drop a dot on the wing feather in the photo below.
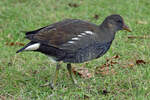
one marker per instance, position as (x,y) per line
(59,34)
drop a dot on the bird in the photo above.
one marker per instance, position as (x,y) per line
(74,41)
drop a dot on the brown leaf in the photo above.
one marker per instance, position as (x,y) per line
(73,5)
(106,69)
(82,72)
(131,64)
(96,16)
(138,62)
(138,37)
(14,44)
(113,58)
(19,44)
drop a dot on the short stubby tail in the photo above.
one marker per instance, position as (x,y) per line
(29,47)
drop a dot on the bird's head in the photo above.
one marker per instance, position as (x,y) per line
(115,22)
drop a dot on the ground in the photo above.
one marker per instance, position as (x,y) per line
(122,74)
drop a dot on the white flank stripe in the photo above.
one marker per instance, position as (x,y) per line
(33,46)
(89,32)
(79,35)
(75,38)
(71,42)
(83,34)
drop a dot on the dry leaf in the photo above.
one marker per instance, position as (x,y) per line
(83,72)
(138,37)
(73,5)
(138,62)
(14,44)
(96,16)
(19,44)
(114,57)
(106,69)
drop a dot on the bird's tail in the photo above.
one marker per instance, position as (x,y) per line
(30,46)
(22,49)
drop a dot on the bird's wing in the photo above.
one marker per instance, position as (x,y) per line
(69,34)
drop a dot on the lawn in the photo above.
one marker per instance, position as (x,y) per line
(123,73)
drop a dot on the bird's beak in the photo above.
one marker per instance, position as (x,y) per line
(125,27)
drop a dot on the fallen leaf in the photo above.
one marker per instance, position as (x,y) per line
(14,44)
(96,16)
(73,5)
(113,57)
(106,69)
(19,44)
(138,62)
(83,72)
(138,37)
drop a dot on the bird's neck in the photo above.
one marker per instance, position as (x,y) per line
(108,27)
(109,33)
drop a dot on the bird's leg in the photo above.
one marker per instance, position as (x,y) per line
(69,67)
(53,83)
(56,74)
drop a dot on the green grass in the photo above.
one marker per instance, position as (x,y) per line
(22,74)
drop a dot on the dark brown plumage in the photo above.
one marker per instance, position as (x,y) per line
(75,41)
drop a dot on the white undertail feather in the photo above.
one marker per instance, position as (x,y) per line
(89,32)
(33,46)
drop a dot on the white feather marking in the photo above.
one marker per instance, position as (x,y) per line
(79,35)
(75,38)
(71,42)
(52,59)
(33,46)
(89,32)
(83,34)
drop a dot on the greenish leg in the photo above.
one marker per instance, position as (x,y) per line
(53,83)
(56,74)
(70,73)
